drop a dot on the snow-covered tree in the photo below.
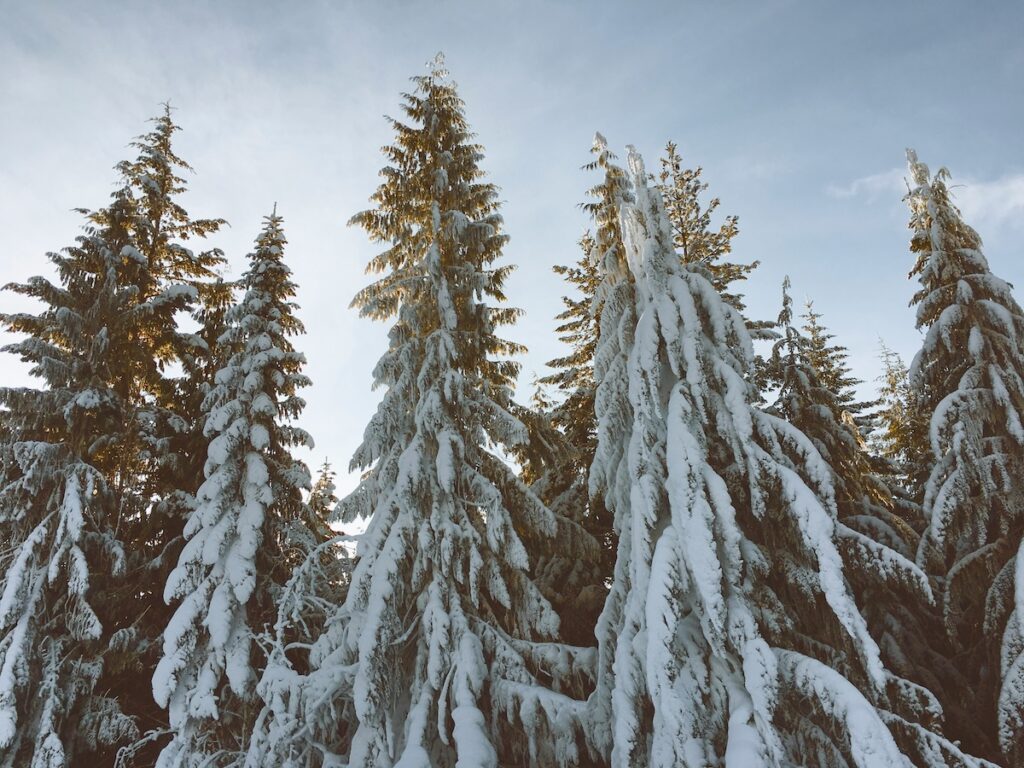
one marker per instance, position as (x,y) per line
(737,640)
(876,542)
(158,379)
(235,561)
(437,645)
(573,376)
(572,578)
(829,361)
(322,500)
(292,726)
(969,377)
(59,506)
(300,716)
(572,413)
(107,425)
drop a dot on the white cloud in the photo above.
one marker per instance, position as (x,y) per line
(986,205)
(871,187)
(990,204)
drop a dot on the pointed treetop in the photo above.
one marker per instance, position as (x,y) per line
(918,170)
(437,66)
(786,315)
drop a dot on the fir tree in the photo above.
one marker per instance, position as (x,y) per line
(829,361)
(59,509)
(902,436)
(969,377)
(877,544)
(570,578)
(292,727)
(233,563)
(696,242)
(574,373)
(120,293)
(736,638)
(437,639)
(322,499)
(694,239)
(159,379)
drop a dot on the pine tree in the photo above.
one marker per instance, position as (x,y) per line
(969,377)
(292,727)
(696,242)
(694,239)
(106,338)
(581,318)
(234,562)
(902,436)
(876,543)
(159,381)
(58,508)
(570,578)
(562,475)
(829,361)
(322,500)
(735,635)
(574,375)
(437,639)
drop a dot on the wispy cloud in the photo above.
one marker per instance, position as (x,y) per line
(870,187)
(986,204)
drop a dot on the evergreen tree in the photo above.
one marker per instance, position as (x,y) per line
(694,239)
(829,361)
(696,242)
(736,638)
(969,377)
(234,563)
(292,728)
(105,340)
(59,505)
(574,373)
(437,639)
(876,543)
(581,319)
(570,578)
(322,500)
(902,429)
(159,380)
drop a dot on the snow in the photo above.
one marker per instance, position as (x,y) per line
(871,745)
(685,565)
(251,479)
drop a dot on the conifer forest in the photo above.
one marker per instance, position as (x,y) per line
(699,538)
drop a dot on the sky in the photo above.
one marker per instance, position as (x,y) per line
(798,111)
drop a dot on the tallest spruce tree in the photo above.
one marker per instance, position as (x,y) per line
(439,629)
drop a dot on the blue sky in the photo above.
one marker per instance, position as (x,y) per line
(799,113)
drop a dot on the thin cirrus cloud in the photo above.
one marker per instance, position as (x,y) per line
(870,188)
(991,203)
